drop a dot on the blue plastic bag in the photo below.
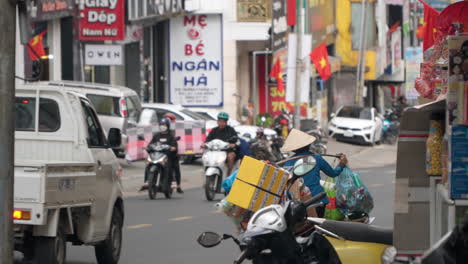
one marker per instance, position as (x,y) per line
(244,148)
(351,194)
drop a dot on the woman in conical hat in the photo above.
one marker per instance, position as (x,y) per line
(299,143)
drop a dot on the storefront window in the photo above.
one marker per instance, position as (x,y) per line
(97,74)
(370,29)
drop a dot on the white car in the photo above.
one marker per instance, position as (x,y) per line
(357,124)
(212,114)
(251,132)
(152,113)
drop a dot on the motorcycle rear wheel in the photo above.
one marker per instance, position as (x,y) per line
(210,185)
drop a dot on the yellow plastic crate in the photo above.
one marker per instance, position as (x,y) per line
(253,178)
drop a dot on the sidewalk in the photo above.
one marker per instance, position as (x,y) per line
(360,157)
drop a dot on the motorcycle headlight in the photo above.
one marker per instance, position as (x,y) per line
(368,128)
(389,254)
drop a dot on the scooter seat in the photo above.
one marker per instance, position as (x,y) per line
(359,232)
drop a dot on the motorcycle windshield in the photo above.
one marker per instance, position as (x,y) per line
(155,156)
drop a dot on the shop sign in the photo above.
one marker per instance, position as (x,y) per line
(102,20)
(50,9)
(253,10)
(103,54)
(196,60)
(142,10)
(321,21)
(280,26)
(413,59)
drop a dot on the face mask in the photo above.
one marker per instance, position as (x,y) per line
(163,128)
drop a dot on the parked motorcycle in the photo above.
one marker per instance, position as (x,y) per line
(391,127)
(214,161)
(157,172)
(272,237)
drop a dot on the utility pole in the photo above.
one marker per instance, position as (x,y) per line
(299,66)
(361,67)
(7,113)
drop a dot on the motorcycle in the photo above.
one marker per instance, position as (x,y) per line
(157,172)
(272,235)
(391,127)
(214,161)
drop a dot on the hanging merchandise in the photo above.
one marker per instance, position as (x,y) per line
(434,145)
(458,79)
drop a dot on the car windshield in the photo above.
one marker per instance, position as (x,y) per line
(206,115)
(193,115)
(355,112)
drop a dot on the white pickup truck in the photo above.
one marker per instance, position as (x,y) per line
(67,178)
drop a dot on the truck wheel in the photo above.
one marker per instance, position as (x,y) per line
(108,252)
(51,250)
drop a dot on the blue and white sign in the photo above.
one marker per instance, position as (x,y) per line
(196,60)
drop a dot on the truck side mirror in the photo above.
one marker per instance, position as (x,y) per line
(115,137)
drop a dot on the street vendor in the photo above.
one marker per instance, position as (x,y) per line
(299,143)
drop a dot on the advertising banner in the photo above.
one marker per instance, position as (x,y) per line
(40,10)
(414,57)
(102,20)
(277,102)
(280,26)
(196,61)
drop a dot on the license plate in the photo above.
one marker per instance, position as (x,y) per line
(348,134)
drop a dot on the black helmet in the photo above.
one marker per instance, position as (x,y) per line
(166,122)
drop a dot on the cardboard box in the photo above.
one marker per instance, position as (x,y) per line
(255,183)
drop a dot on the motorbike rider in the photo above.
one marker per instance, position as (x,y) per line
(402,103)
(176,163)
(165,136)
(225,133)
(299,143)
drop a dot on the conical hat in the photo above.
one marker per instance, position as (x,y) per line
(296,140)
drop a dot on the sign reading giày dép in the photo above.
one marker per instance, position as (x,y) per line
(196,67)
(103,55)
(102,20)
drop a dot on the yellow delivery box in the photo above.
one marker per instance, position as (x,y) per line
(257,185)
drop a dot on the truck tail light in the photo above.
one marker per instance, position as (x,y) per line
(123,108)
(19,214)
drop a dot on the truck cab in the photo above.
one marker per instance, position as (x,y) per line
(67,178)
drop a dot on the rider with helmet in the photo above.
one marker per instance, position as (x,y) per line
(225,133)
(176,163)
(165,136)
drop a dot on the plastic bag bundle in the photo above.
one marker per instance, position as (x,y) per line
(351,194)
(331,210)
(239,216)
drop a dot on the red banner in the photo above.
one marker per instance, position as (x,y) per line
(277,102)
(102,20)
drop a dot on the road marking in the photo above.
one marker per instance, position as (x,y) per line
(377,185)
(181,218)
(139,226)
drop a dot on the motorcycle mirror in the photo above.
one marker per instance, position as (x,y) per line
(177,138)
(304,166)
(209,239)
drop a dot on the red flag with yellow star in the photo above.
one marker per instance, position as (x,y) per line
(277,73)
(430,30)
(319,57)
(36,47)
